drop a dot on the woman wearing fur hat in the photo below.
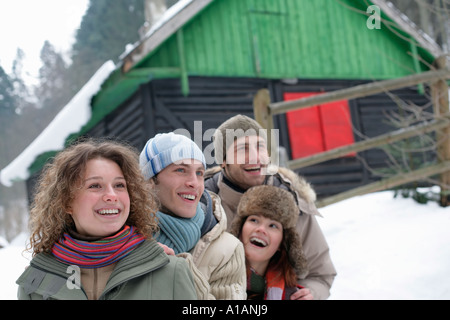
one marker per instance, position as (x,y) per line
(265,223)
(191,220)
(240,146)
(92,223)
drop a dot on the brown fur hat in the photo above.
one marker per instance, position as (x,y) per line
(234,128)
(279,205)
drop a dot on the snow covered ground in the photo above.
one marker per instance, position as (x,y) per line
(12,263)
(386,248)
(383,248)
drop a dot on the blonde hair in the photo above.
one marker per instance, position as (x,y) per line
(59,180)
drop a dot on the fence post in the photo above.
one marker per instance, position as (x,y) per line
(441,108)
(261,110)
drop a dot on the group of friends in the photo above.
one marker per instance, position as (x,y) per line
(110,222)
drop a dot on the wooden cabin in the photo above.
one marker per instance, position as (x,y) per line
(206,59)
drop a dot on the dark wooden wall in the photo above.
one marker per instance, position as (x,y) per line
(159,106)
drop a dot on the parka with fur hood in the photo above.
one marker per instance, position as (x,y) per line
(321,271)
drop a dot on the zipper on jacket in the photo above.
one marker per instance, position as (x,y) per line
(95,285)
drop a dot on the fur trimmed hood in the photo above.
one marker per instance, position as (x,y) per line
(285,179)
(298,183)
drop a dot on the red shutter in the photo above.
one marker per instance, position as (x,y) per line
(337,125)
(316,129)
(304,127)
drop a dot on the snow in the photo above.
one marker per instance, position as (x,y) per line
(13,261)
(386,248)
(168,15)
(382,248)
(69,120)
(3,242)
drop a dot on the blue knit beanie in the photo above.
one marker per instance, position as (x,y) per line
(166,148)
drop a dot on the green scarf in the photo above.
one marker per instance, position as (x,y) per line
(178,233)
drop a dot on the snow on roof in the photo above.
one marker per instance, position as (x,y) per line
(171,21)
(167,16)
(410,27)
(68,121)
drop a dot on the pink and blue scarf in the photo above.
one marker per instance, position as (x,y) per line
(99,253)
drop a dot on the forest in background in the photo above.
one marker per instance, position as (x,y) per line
(106,28)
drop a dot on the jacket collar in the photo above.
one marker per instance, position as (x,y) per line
(207,206)
(147,257)
(281,177)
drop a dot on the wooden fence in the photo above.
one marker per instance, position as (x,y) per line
(264,111)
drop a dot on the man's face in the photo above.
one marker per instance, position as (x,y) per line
(180,186)
(246,161)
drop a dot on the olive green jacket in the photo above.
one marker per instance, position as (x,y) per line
(146,273)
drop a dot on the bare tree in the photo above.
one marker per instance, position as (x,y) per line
(431,16)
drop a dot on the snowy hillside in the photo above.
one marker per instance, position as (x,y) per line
(383,248)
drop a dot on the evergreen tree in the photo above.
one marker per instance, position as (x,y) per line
(52,92)
(7,114)
(21,91)
(105,30)
(432,16)
(7,99)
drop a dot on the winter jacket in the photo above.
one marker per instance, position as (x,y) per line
(146,273)
(218,261)
(321,271)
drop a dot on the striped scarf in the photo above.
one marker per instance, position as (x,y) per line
(97,254)
(271,286)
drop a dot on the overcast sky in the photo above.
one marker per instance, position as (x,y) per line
(27,24)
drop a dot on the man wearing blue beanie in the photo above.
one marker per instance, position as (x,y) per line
(192,221)
(165,149)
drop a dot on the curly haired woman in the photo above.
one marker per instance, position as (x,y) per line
(91,224)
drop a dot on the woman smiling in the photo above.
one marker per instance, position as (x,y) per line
(94,215)
(265,223)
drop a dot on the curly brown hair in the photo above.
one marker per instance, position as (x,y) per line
(62,176)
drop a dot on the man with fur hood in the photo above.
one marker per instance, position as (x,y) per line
(240,145)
